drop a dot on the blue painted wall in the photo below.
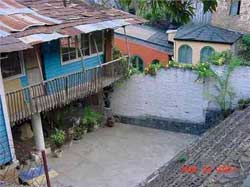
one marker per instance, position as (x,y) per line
(52,61)
(5,154)
(24,80)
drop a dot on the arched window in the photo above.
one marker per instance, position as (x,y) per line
(206,53)
(185,54)
(138,63)
(155,61)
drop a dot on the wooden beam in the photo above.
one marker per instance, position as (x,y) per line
(108,44)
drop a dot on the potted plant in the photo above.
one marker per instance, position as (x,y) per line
(58,139)
(92,119)
(84,126)
(80,130)
(78,133)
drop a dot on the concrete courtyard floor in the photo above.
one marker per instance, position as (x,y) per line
(121,156)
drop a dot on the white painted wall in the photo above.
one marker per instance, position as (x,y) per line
(173,94)
(241,83)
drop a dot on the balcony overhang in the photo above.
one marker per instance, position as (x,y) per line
(41,38)
(11,44)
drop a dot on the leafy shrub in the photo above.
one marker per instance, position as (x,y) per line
(116,53)
(78,133)
(245,47)
(132,71)
(246,40)
(244,103)
(152,69)
(58,138)
(204,70)
(175,64)
(245,63)
(91,118)
(221,58)
(80,129)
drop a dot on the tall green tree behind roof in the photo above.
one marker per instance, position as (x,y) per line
(179,11)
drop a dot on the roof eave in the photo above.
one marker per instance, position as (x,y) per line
(205,41)
(152,43)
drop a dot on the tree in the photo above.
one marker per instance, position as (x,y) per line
(224,92)
(179,11)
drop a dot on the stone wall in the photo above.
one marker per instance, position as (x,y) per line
(173,99)
(240,22)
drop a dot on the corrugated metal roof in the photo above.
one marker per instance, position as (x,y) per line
(10,4)
(9,44)
(103,25)
(71,31)
(44,20)
(3,34)
(16,17)
(141,32)
(40,38)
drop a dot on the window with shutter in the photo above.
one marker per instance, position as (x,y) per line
(185,54)
(206,53)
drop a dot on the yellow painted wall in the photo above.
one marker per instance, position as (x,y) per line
(16,102)
(12,85)
(197,46)
(30,62)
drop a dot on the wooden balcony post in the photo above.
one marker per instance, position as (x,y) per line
(109,40)
(66,90)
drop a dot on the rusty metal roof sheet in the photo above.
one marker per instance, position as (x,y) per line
(77,13)
(32,20)
(40,38)
(16,17)
(70,31)
(9,44)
